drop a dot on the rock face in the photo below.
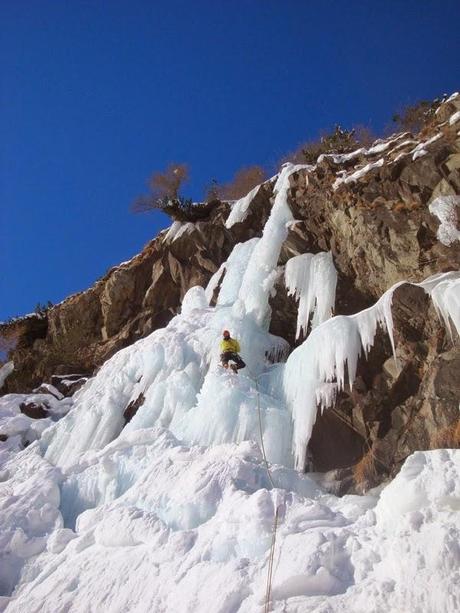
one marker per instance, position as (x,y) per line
(370,209)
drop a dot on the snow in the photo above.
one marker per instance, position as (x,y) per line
(358,174)
(379,148)
(312,279)
(340,158)
(240,208)
(50,389)
(5,371)
(445,209)
(453,97)
(170,528)
(177,229)
(23,429)
(421,149)
(454,118)
(419,153)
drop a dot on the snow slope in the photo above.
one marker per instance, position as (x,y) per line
(174,511)
(175,528)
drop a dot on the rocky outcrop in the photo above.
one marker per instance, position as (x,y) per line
(34,410)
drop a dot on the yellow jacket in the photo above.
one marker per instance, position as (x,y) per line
(230,344)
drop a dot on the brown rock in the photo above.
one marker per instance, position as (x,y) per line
(34,410)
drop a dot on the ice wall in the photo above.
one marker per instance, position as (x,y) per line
(176,375)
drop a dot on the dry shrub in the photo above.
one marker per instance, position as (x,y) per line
(244,180)
(168,182)
(338,141)
(448,437)
(364,135)
(164,191)
(164,196)
(365,471)
(10,337)
(413,117)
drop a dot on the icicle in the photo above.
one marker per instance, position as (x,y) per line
(320,361)
(444,290)
(312,279)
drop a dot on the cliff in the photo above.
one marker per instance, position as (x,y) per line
(375,211)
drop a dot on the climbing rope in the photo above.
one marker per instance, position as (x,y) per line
(365,436)
(268,587)
(261,434)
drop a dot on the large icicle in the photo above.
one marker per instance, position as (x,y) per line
(312,279)
(260,275)
(315,371)
(444,290)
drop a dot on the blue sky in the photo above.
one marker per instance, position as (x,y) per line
(97,95)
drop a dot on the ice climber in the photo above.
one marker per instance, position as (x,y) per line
(229,351)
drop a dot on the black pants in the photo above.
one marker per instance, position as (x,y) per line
(230,355)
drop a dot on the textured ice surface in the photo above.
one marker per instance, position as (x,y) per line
(230,274)
(168,528)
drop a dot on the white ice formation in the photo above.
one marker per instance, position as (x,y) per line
(312,280)
(445,209)
(240,208)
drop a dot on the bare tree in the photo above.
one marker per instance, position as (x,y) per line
(164,189)
(244,180)
(412,118)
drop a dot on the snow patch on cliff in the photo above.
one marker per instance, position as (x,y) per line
(445,209)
